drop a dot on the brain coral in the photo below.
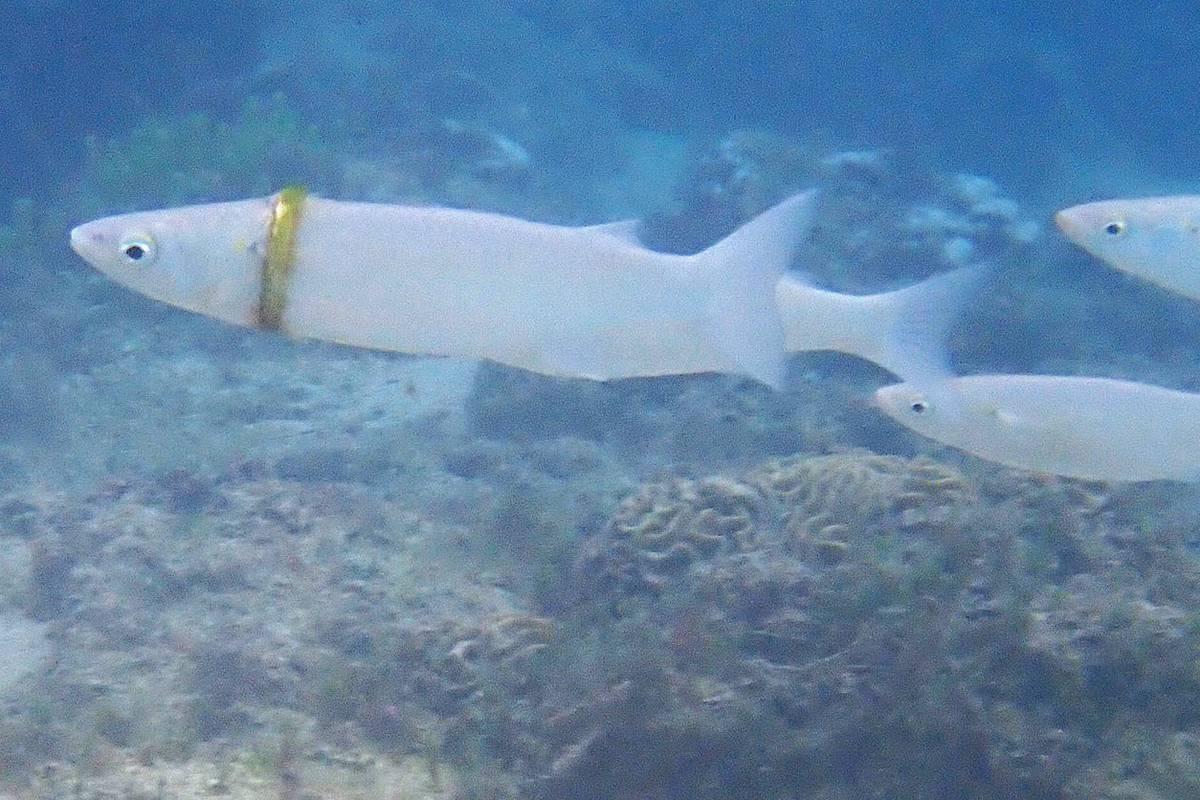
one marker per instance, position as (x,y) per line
(829,500)
(815,508)
(672,523)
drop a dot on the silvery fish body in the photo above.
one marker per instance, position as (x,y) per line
(1080,427)
(586,302)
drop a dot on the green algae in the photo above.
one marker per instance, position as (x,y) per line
(173,160)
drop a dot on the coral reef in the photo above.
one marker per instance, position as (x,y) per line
(883,615)
(834,625)
(669,588)
(387,572)
(880,219)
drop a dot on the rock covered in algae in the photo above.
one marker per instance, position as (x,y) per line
(897,615)
(1108,642)
(879,218)
(1142,766)
(930,632)
(189,609)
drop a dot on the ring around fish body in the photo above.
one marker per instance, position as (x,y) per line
(583,302)
(280,257)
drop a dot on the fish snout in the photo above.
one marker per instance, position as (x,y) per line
(87,242)
(1067,222)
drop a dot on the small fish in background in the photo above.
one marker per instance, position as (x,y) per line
(583,302)
(1154,238)
(1079,427)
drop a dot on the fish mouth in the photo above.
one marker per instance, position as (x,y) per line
(1066,223)
(78,237)
(86,241)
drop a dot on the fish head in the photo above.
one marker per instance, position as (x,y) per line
(931,411)
(1152,237)
(205,258)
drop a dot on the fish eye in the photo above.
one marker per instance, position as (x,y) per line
(1115,228)
(919,406)
(138,249)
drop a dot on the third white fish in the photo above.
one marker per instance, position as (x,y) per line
(1155,238)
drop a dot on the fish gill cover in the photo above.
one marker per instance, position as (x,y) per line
(237,564)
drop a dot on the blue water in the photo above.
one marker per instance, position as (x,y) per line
(1009,90)
(244,553)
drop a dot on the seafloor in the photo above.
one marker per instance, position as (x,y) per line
(235,565)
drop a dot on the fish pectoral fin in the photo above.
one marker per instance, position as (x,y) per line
(1009,419)
(624,229)
(1029,426)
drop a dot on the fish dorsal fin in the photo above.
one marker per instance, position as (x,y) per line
(624,229)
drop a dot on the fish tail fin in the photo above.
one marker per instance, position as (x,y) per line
(744,268)
(916,322)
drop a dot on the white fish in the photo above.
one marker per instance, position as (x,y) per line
(586,302)
(1078,427)
(1155,238)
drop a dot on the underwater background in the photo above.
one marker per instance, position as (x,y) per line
(235,565)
